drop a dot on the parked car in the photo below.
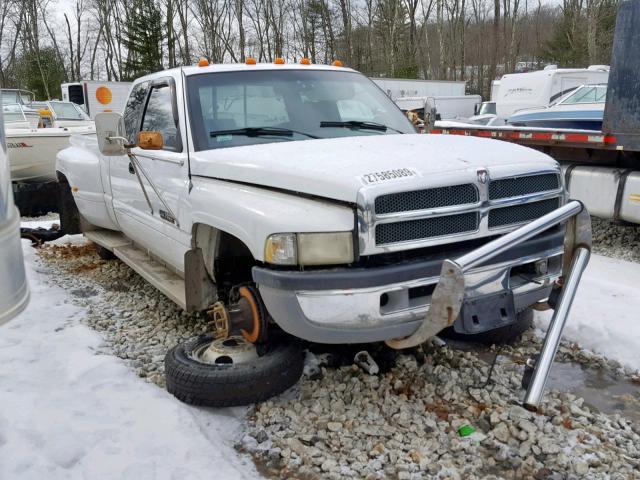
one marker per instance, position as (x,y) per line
(297,202)
(14,291)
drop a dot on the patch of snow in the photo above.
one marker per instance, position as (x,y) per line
(51,216)
(46,224)
(76,240)
(67,412)
(605,316)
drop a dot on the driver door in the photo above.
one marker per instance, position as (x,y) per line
(151,220)
(130,206)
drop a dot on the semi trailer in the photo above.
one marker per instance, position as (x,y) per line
(601,168)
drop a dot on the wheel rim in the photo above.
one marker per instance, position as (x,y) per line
(225,351)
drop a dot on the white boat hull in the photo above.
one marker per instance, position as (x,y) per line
(32,153)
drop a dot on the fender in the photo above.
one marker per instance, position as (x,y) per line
(81,165)
(252,214)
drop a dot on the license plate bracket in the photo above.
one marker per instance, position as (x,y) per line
(479,314)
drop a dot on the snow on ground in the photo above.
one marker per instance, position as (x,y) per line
(44,221)
(605,316)
(69,413)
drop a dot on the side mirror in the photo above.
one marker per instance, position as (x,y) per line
(111,134)
(476,109)
(150,140)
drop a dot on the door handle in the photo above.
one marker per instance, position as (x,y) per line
(131,169)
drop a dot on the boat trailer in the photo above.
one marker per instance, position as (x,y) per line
(448,295)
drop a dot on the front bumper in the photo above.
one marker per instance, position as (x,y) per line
(361,305)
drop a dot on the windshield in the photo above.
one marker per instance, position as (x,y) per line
(68,111)
(16,96)
(305,104)
(487,108)
(586,94)
(13,113)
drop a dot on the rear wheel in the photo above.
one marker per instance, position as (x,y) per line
(232,371)
(103,253)
(69,214)
(498,336)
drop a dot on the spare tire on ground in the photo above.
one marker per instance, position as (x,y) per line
(232,372)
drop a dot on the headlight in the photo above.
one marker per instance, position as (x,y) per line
(309,248)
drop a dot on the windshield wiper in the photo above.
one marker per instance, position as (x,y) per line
(260,132)
(358,125)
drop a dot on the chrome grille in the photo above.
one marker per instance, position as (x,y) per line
(426,228)
(524,185)
(500,217)
(425,199)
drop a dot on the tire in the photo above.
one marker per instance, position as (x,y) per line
(103,253)
(225,385)
(497,336)
(69,214)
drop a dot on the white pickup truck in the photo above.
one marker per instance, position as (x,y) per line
(296,200)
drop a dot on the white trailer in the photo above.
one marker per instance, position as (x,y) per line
(400,87)
(495,87)
(447,107)
(97,97)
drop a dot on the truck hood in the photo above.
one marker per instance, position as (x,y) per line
(339,168)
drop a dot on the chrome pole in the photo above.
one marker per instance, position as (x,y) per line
(552,339)
(501,244)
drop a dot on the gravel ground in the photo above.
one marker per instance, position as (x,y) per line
(405,424)
(340,422)
(617,241)
(138,322)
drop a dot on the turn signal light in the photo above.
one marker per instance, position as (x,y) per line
(279,61)
(337,63)
(305,61)
(250,61)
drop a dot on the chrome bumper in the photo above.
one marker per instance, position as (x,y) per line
(377,304)
(449,293)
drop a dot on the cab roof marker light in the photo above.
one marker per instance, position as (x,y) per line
(203,62)
(250,61)
(337,63)
(305,61)
(279,61)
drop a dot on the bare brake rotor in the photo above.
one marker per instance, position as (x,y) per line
(245,314)
(225,351)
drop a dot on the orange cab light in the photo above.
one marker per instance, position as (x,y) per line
(279,61)
(250,61)
(305,61)
(337,63)
(203,62)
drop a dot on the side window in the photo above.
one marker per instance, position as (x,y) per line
(133,110)
(158,117)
